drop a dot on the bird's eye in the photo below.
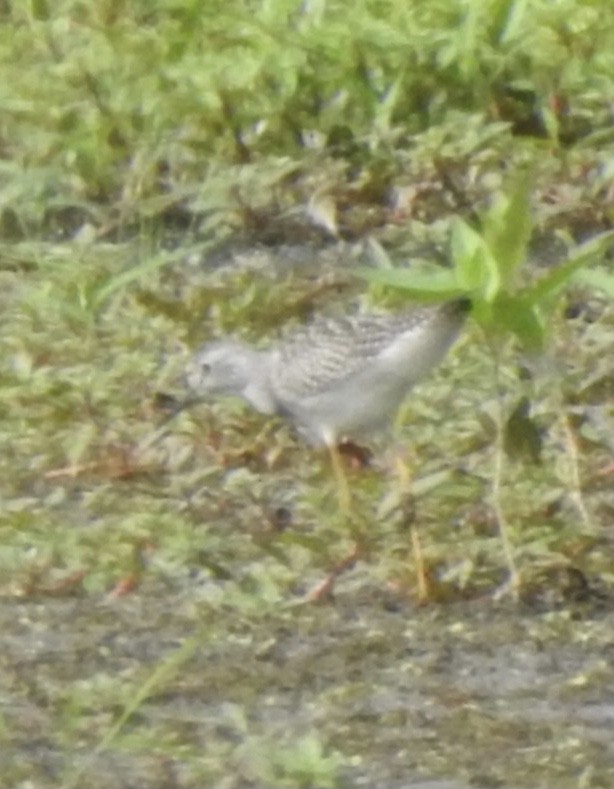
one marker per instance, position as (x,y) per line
(205,367)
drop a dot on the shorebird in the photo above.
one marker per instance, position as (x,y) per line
(335,378)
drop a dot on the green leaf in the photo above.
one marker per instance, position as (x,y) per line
(476,269)
(508,227)
(436,285)
(559,277)
(512,315)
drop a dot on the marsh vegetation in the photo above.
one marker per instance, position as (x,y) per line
(177,170)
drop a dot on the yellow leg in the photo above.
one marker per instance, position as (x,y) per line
(403,473)
(421,578)
(404,477)
(324,589)
(343,489)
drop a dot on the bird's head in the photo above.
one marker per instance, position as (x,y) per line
(220,368)
(230,368)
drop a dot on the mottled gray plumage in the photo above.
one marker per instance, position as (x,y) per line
(335,377)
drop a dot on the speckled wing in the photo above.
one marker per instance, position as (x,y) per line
(330,351)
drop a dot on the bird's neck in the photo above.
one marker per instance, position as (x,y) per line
(257,390)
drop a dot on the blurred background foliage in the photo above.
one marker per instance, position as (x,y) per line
(115,112)
(173,170)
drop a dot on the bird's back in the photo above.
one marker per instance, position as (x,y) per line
(328,351)
(342,375)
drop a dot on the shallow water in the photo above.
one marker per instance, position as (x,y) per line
(441,697)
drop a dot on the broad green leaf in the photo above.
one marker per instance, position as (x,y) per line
(508,226)
(512,315)
(436,285)
(476,268)
(559,277)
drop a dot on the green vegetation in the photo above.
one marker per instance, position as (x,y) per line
(121,113)
(175,170)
